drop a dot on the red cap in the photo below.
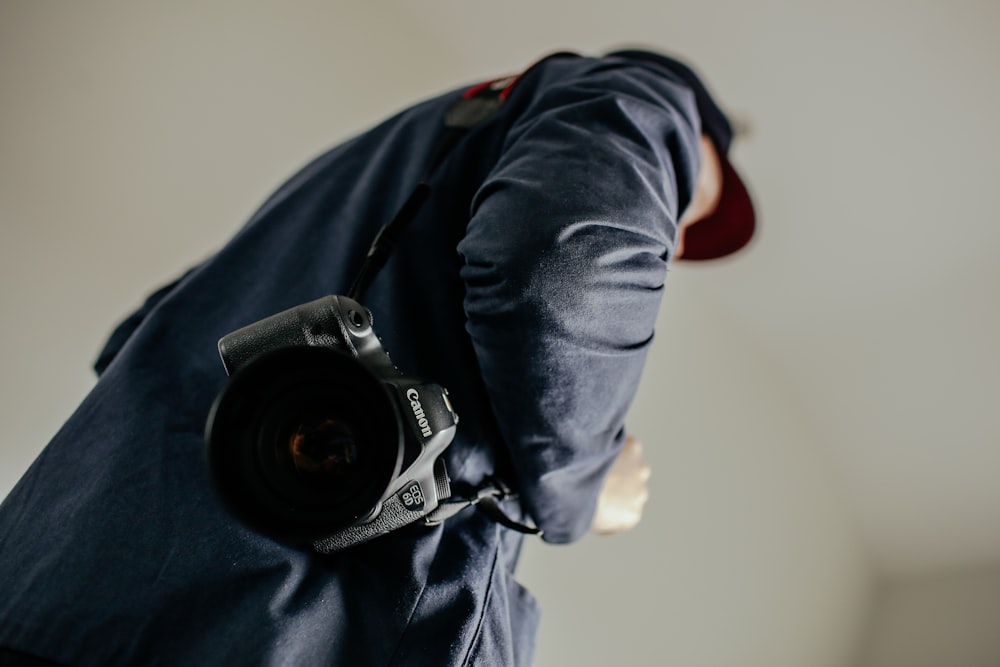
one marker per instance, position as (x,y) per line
(729,227)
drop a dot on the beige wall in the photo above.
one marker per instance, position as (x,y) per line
(946,620)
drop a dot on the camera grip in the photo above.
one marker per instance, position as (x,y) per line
(394,514)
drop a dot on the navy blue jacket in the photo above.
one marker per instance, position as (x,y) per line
(528,285)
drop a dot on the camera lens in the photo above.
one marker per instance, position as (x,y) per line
(316,444)
(303,442)
(320,448)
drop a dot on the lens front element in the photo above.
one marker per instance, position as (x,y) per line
(322,447)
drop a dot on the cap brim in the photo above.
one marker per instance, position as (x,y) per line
(728,228)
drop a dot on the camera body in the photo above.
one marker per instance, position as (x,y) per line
(317,437)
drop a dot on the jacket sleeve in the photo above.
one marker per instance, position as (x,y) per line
(564,263)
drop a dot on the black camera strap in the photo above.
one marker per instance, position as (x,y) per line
(487,497)
(477,104)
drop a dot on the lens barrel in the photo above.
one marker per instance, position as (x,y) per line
(303,441)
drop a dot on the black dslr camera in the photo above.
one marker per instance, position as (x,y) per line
(317,437)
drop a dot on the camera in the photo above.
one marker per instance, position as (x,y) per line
(317,437)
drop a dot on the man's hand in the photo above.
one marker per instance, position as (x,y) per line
(625,492)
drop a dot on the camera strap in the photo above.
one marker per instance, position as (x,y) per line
(477,104)
(487,497)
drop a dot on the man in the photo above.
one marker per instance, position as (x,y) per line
(527,284)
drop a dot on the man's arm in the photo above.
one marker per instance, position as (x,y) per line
(565,258)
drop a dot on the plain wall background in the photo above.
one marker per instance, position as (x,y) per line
(948,619)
